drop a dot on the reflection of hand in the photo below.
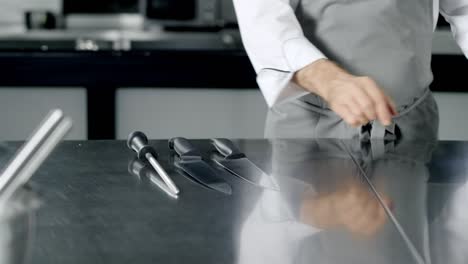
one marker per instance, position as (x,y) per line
(353,207)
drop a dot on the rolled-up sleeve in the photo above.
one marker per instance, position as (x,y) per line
(276,45)
(456,13)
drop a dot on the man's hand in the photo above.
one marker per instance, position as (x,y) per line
(357,100)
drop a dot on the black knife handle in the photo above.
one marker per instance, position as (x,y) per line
(184,148)
(138,142)
(226,148)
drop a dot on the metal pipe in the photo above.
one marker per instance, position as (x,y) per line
(33,153)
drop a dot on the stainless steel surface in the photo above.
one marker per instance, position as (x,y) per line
(17,227)
(203,174)
(245,169)
(432,194)
(417,256)
(326,212)
(351,224)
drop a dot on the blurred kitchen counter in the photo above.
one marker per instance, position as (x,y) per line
(124,58)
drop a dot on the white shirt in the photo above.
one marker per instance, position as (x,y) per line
(277,47)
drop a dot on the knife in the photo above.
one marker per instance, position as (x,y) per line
(191,163)
(234,161)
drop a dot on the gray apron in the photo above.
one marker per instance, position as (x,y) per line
(388,40)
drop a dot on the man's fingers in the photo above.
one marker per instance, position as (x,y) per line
(345,112)
(362,103)
(366,105)
(384,115)
(361,100)
(392,106)
(381,103)
(357,110)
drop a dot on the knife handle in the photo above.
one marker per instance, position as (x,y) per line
(184,148)
(226,148)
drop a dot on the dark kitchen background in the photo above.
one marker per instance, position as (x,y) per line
(161,66)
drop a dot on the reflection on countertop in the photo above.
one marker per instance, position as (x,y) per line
(335,205)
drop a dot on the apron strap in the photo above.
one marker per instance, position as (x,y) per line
(382,138)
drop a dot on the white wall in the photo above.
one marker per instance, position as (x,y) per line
(192,113)
(453,108)
(22,109)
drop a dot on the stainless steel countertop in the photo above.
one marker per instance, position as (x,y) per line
(95,211)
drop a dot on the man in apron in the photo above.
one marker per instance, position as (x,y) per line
(338,68)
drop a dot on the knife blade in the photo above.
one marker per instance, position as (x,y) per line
(191,163)
(234,161)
